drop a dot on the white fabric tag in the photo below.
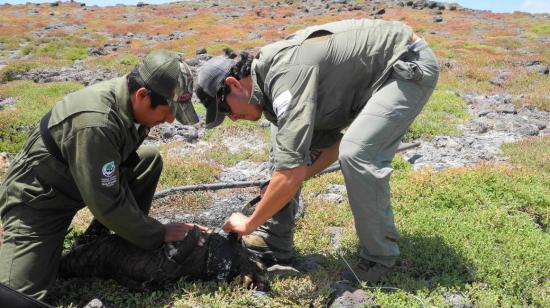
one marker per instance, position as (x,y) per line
(280,104)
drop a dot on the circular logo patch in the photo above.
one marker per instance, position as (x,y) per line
(108,169)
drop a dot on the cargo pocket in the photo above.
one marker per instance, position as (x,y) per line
(407,71)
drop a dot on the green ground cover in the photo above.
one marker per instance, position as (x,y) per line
(481,232)
(33,100)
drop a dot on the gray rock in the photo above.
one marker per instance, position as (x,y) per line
(438,19)
(479,127)
(500,78)
(332,198)
(142,4)
(457,300)
(96,51)
(508,108)
(538,68)
(254,35)
(336,189)
(176,131)
(540,124)
(345,295)
(78,74)
(263,123)
(336,237)
(528,130)
(381,11)
(283,270)
(246,171)
(7,102)
(309,264)
(259,294)
(96,303)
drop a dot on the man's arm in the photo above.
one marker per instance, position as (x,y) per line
(324,160)
(282,187)
(92,154)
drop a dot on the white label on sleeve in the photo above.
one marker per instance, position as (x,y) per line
(281,102)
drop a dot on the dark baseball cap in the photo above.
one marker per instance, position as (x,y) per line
(166,74)
(210,80)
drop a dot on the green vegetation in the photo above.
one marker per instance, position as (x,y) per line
(122,64)
(531,152)
(180,170)
(440,116)
(217,49)
(480,232)
(469,45)
(33,101)
(541,28)
(62,50)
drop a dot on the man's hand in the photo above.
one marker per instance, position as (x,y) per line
(178,231)
(237,223)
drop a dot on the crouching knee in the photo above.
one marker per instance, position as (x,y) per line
(150,155)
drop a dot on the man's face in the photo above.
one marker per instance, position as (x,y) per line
(145,114)
(238,101)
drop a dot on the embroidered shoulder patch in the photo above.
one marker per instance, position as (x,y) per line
(281,102)
(109,175)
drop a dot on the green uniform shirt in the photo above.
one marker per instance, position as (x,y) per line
(95,131)
(313,84)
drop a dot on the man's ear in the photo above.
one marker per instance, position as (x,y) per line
(142,93)
(233,82)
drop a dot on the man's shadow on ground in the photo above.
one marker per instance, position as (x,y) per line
(427,262)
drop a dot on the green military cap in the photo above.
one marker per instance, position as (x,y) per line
(166,74)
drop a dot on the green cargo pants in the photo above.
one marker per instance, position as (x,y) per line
(33,237)
(366,151)
(370,143)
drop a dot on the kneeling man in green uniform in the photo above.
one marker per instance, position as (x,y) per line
(370,77)
(86,153)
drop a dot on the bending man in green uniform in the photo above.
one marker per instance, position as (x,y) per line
(86,154)
(370,76)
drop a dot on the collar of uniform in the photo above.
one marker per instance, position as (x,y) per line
(124,103)
(257,94)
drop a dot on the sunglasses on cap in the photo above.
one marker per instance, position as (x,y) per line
(223,107)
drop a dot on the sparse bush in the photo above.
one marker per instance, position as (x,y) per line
(33,101)
(180,170)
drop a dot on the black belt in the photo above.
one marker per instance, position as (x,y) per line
(131,161)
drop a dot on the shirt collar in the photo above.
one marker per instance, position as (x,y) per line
(257,93)
(124,103)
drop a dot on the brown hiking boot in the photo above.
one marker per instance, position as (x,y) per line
(258,246)
(367,271)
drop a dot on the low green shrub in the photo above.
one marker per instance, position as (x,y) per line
(33,101)
(441,115)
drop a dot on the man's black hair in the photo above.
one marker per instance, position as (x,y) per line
(135,82)
(241,69)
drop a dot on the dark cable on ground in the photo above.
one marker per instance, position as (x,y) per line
(226,185)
